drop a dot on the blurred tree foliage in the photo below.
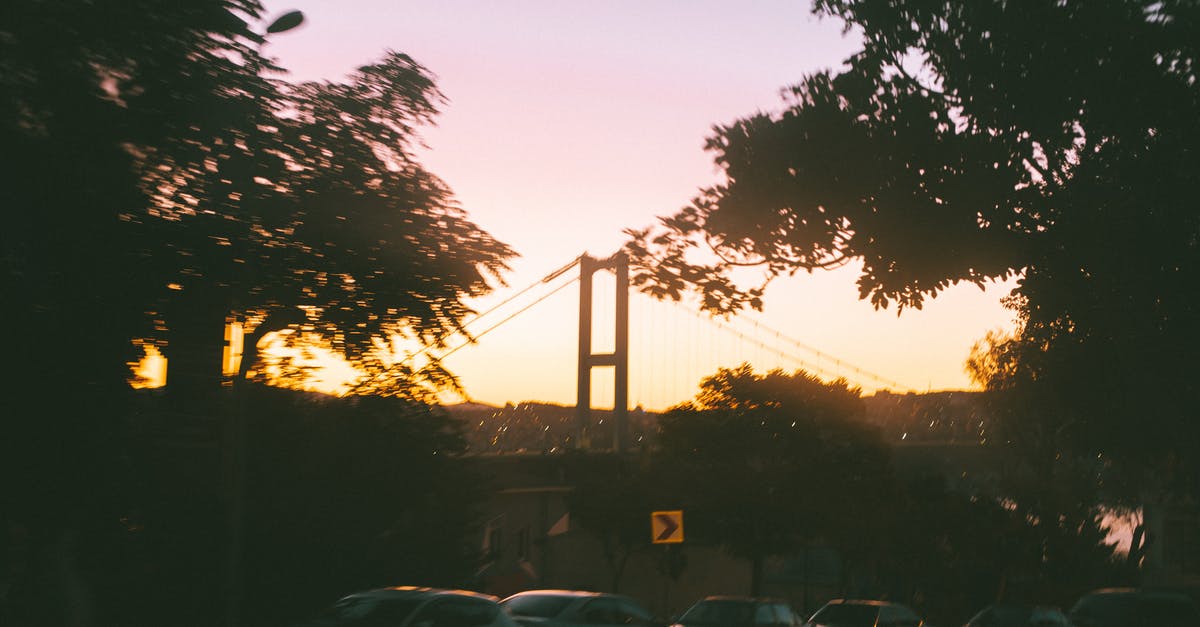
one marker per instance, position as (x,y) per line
(161,180)
(166,175)
(1057,141)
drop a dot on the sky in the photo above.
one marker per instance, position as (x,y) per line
(568,122)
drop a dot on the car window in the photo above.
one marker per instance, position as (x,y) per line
(719,612)
(371,610)
(503,619)
(632,613)
(1107,609)
(1047,617)
(847,615)
(1166,610)
(898,616)
(540,605)
(602,611)
(459,612)
(1018,616)
(784,615)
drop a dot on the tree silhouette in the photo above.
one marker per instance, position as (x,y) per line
(163,179)
(354,493)
(317,212)
(82,85)
(967,142)
(612,498)
(765,462)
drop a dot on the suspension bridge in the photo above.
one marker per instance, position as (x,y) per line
(631,348)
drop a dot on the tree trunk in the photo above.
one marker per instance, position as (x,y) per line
(77,607)
(1137,545)
(195,346)
(619,569)
(275,321)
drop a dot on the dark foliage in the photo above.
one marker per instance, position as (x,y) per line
(339,495)
(1059,141)
(351,494)
(763,462)
(764,465)
(950,553)
(161,181)
(613,496)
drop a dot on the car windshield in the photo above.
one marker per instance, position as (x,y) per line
(371,609)
(1130,608)
(720,612)
(1169,611)
(846,614)
(1001,615)
(1118,608)
(542,605)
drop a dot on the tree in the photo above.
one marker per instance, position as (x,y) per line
(354,493)
(165,181)
(965,142)
(319,218)
(74,291)
(613,497)
(225,192)
(766,461)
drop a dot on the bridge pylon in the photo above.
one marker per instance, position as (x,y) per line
(618,359)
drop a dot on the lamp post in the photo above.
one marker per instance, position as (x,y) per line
(237,446)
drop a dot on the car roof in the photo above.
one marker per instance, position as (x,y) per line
(730,597)
(872,602)
(1143,592)
(562,593)
(1114,591)
(416,591)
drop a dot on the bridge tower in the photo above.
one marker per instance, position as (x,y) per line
(618,359)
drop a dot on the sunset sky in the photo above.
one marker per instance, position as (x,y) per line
(568,122)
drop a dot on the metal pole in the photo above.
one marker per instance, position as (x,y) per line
(583,395)
(621,355)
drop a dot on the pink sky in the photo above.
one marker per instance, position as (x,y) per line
(571,121)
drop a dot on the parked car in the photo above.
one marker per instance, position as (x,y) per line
(568,608)
(415,607)
(1132,607)
(729,611)
(863,613)
(1019,615)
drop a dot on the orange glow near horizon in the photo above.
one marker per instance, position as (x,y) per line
(151,370)
(323,370)
(670,351)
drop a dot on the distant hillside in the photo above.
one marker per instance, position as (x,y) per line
(532,427)
(959,417)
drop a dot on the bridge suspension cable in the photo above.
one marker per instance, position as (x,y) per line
(863,375)
(408,359)
(509,317)
(888,383)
